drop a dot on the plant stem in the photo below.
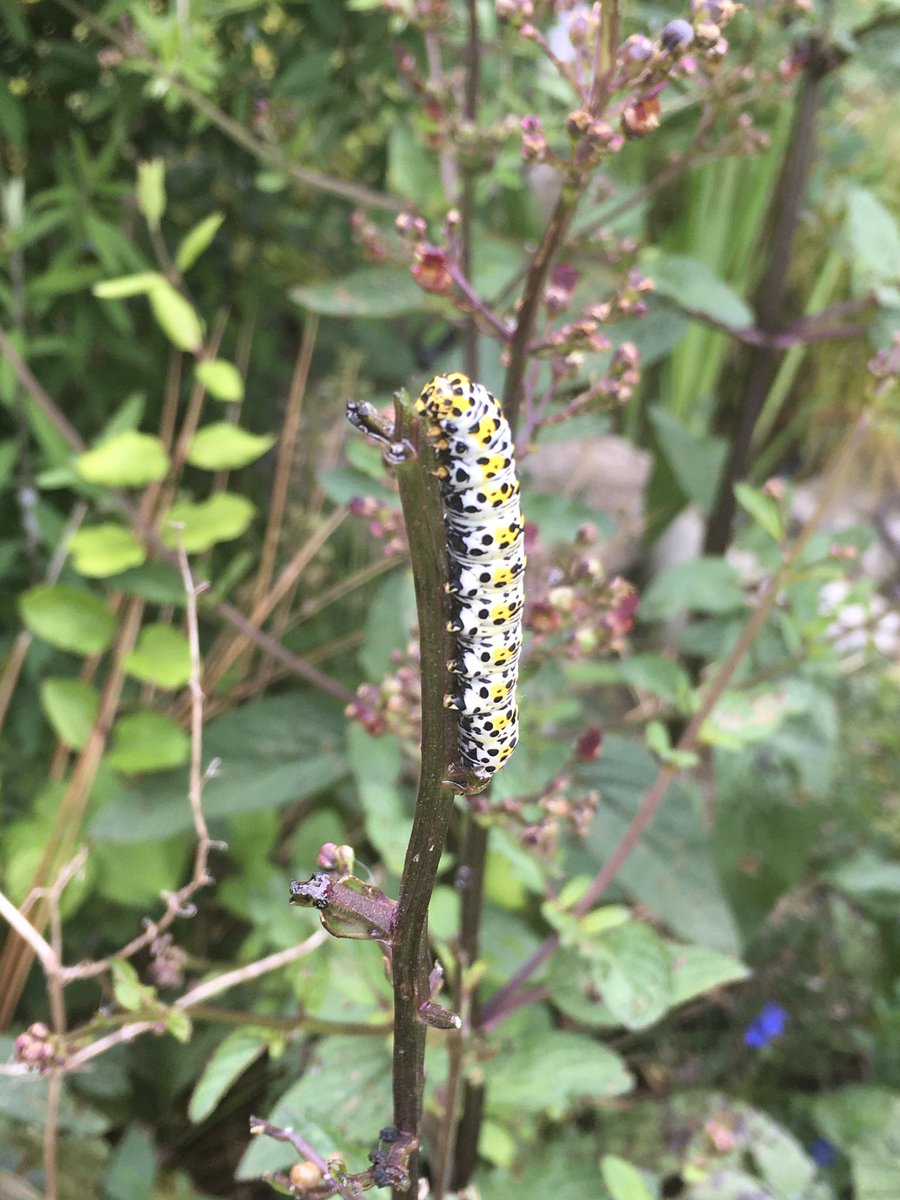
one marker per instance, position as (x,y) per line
(422,512)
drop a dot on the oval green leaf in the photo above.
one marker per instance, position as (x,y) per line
(162,656)
(695,288)
(221,379)
(371,292)
(221,518)
(223,445)
(197,240)
(147,741)
(128,285)
(176,317)
(623,1180)
(129,459)
(151,191)
(105,550)
(67,618)
(71,708)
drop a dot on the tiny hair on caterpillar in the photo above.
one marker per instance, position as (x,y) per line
(485,532)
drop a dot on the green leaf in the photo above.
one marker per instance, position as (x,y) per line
(347,1081)
(392,612)
(134,876)
(228,1062)
(198,239)
(222,445)
(176,317)
(411,171)
(71,707)
(162,656)
(873,240)
(624,1181)
(377,764)
(660,676)
(865,1123)
(764,509)
(867,874)
(127,987)
(151,191)
(128,285)
(278,751)
(696,970)
(221,379)
(573,1072)
(133,1167)
(103,550)
(221,518)
(633,971)
(695,461)
(67,618)
(705,585)
(378,292)
(128,459)
(695,288)
(779,1157)
(741,718)
(147,741)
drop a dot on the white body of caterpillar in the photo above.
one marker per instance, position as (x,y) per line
(485,548)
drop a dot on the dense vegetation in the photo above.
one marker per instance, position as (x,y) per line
(669,929)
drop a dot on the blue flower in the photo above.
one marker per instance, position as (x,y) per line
(765,1028)
(823,1152)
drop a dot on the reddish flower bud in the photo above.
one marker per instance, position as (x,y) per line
(589,745)
(432,271)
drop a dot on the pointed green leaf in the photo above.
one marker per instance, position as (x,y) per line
(221,379)
(229,1060)
(128,459)
(176,317)
(695,287)
(127,987)
(67,618)
(624,1181)
(197,240)
(377,292)
(697,970)
(573,1071)
(151,191)
(147,741)
(104,550)
(71,707)
(221,518)
(162,656)
(762,508)
(709,585)
(222,445)
(128,285)
(633,973)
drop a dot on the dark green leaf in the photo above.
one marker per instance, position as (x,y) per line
(378,292)
(705,585)
(229,1060)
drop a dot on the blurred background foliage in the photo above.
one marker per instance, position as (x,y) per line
(200,267)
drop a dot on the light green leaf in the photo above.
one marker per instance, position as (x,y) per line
(222,445)
(695,288)
(151,191)
(275,752)
(196,240)
(147,741)
(221,379)
(633,972)
(176,317)
(865,1122)
(624,1181)
(229,1060)
(127,987)
(764,509)
(779,1157)
(376,764)
(347,1080)
(873,240)
(659,675)
(71,707)
(706,585)
(128,459)
(162,656)
(696,970)
(740,718)
(128,285)
(378,292)
(695,461)
(867,874)
(573,1071)
(103,550)
(67,618)
(221,518)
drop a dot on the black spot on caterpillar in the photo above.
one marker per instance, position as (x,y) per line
(485,546)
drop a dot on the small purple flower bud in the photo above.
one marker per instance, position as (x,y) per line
(677,36)
(637,48)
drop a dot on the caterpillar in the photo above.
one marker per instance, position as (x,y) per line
(486,559)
